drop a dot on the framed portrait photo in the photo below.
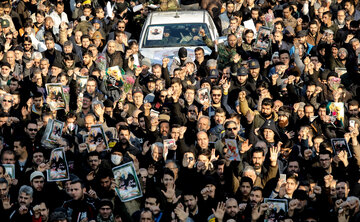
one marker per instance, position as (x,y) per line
(59,169)
(96,137)
(55,96)
(263,38)
(340,144)
(10,170)
(277,209)
(127,183)
(55,131)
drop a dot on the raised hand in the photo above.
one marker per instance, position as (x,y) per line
(274,152)
(242,96)
(138,71)
(6,203)
(181,213)
(328,179)
(245,146)
(169,194)
(213,157)
(307,154)
(226,86)
(146,147)
(220,211)
(165,62)
(293,204)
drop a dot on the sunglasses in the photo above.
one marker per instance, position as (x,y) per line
(234,128)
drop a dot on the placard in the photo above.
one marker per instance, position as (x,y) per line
(127,183)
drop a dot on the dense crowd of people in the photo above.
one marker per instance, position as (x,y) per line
(258,134)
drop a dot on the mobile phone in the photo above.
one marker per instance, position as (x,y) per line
(283,177)
(352,123)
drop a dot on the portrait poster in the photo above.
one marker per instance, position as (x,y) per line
(340,144)
(10,170)
(96,137)
(115,73)
(59,169)
(55,131)
(81,82)
(277,209)
(203,96)
(127,183)
(155,33)
(56,97)
(263,38)
(232,149)
(170,144)
(336,111)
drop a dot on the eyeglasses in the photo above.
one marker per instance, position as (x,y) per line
(9,101)
(162,96)
(33,130)
(230,129)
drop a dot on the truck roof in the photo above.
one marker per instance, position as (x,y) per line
(173,17)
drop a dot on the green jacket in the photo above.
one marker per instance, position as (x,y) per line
(226,53)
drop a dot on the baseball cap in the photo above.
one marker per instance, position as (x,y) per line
(152,78)
(96,21)
(36,174)
(214,74)
(242,71)
(137,90)
(254,64)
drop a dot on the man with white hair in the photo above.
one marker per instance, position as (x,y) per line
(21,211)
(6,103)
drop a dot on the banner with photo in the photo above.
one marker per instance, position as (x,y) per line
(127,183)
(55,96)
(59,169)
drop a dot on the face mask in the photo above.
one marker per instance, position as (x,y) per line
(71,126)
(116,159)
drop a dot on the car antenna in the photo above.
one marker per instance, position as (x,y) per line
(176,15)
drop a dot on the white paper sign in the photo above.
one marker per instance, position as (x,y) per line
(249,24)
(156,33)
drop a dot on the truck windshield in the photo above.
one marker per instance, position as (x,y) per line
(174,35)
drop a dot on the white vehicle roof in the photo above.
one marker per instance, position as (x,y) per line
(172,17)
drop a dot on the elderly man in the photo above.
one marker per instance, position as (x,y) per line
(6,103)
